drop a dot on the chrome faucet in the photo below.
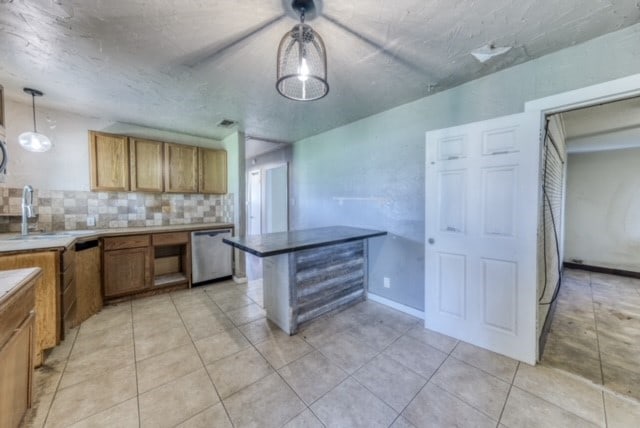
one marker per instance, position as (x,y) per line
(27,208)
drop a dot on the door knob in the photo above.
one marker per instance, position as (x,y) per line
(431,241)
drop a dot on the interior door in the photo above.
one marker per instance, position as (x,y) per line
(255,204)
(481,219)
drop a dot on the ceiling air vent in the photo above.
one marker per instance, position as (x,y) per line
(227,123)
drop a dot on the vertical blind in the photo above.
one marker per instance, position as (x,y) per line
(551,207)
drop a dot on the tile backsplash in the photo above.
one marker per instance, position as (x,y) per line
(69,210)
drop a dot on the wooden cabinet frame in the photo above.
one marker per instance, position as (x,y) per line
(109,154)
(180,168)
(146,162)
(212,171)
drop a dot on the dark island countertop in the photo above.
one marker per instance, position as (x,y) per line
(271,244)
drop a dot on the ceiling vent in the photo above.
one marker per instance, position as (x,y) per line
(227,123)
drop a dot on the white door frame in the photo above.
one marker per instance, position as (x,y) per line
(261,171)
(264,189)
(613,90)
(251,202)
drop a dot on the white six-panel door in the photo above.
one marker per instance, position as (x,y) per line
(481,216)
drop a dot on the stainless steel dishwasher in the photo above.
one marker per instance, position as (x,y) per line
(210,257)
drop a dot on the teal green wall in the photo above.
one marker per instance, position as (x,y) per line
(380,159)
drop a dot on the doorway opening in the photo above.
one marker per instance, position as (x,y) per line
(593,249)
(267,166)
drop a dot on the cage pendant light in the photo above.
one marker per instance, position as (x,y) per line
(302,64)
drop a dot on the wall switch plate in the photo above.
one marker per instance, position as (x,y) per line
(387,282)
(91,220)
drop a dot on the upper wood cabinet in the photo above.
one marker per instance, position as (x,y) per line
(145,160)
(120,163)
(109,161)
(180,168)
(212,170)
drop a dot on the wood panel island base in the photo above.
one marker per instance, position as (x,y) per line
(308,273)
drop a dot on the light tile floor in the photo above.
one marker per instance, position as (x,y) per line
(595,332)
(208,358)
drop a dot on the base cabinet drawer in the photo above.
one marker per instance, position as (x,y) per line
(122,242)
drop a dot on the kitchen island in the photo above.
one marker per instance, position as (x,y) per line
(308,273)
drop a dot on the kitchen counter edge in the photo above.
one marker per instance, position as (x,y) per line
(8,246)
(11,281)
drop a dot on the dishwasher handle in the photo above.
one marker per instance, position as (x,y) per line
(212,232)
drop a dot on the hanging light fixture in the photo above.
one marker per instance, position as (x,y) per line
(302,61)
(34,141)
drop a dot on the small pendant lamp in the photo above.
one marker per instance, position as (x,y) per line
(34,141)
(302,63)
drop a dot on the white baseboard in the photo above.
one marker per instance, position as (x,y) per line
(239,279)
(395,305)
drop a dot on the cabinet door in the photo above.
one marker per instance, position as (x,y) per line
(15,375)
(109,161)
(126,271)
(212,171)
(88,273)
(180,168)
(145,159)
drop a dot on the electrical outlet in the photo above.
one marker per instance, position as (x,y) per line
(91,221)
(387,282)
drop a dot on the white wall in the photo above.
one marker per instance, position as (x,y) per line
(66,165)
(603,209)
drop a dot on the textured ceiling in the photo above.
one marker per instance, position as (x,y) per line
(154,63)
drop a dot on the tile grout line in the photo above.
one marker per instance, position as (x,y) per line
(595,321)
(504,406)
(428,379)
(349,375)
(70,386)
(55,392)
(477,368)
(604,408)
(204,366)
(237,327)
(135,364)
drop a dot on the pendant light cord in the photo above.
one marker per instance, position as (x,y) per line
(33,108)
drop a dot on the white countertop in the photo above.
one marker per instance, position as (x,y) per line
(13,242)
(11,280)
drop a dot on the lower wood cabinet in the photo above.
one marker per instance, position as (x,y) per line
(146,263)
(17,331)
(48,292)
(126,264)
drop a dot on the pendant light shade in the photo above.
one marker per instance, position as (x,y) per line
(34,141)
(302,64)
